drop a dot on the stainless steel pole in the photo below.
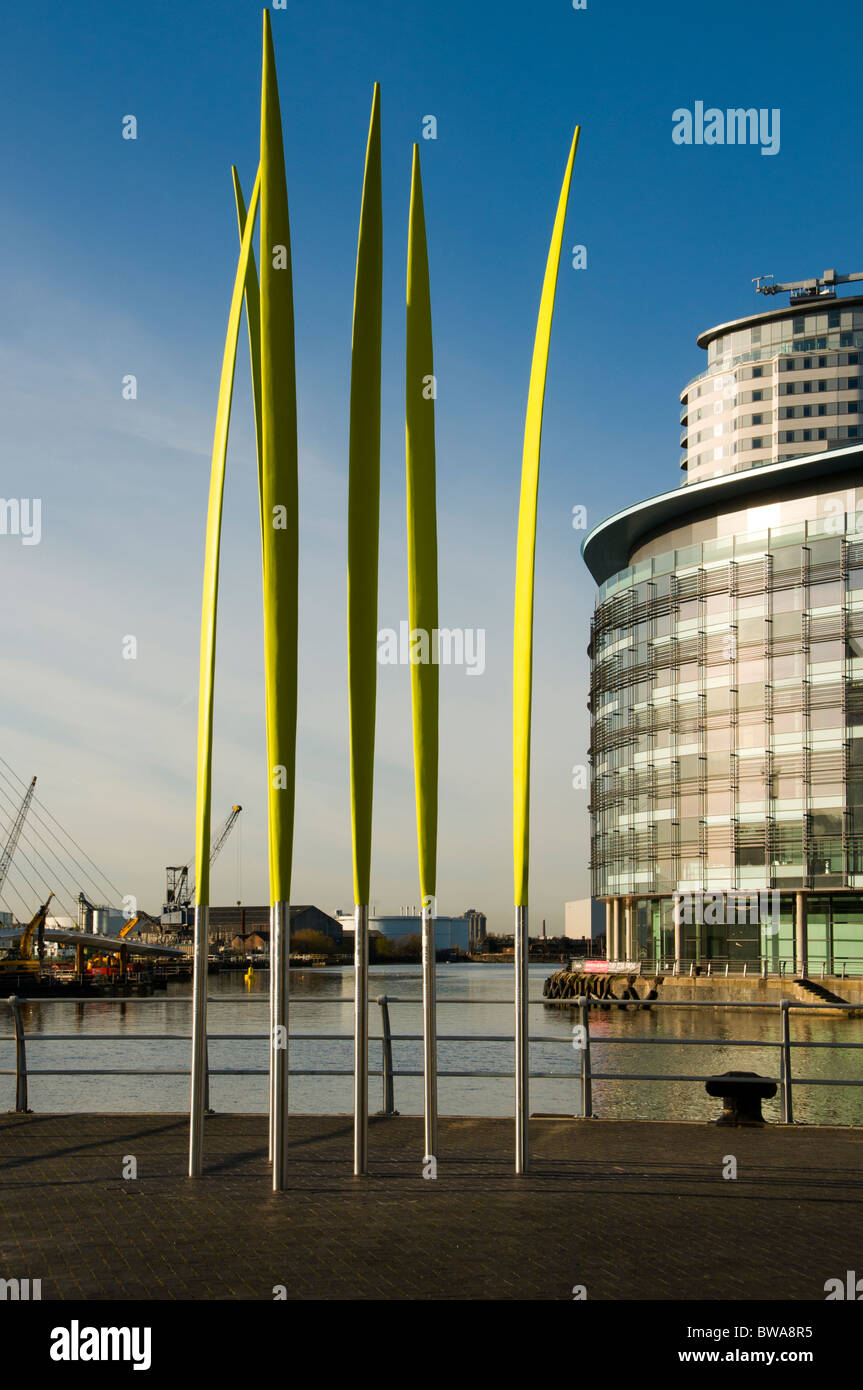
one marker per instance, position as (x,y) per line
(429,1032)
(199,1041)
(522,1066)
(361,1039)
(280,950)
(272,967)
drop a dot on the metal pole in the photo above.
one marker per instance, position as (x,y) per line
(280,950)
(271,1107)
(21,1106)
(678,933)
(429,1032)
(787,1104)
(387,1057)
(199,1040)
(586,1089)
(801,934)
(361,1039)
(522,1061)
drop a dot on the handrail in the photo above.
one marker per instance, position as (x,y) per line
(581,1041)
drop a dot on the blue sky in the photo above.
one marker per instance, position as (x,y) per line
(119,258)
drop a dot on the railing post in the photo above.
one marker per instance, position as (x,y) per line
(21,1106)
(586,1089)
(207,1110)
(787,1103)
(387,1057)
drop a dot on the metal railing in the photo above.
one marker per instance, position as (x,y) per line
(763,967)
(580,1041)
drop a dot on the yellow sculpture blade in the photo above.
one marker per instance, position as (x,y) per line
(253,323)
(364,505)
(526,550)
(422,533)
(278,481)
(211,565)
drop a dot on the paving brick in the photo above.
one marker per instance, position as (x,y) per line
(632,1210)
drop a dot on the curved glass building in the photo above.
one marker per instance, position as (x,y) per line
(727,664)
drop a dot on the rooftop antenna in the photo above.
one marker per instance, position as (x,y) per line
(804,291)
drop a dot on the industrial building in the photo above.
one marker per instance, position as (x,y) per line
(462,934)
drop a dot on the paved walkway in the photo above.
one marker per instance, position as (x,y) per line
(629,1209)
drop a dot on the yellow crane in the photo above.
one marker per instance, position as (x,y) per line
(133,922)
(22,960)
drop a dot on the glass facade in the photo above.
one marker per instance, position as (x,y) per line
(727,728)
(776,387)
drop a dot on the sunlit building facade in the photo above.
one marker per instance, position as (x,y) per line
(727,667)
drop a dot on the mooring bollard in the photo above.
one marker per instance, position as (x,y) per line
(21,1106)
(742,1093)
(387,1057)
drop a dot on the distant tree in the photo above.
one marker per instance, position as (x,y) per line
(311,943)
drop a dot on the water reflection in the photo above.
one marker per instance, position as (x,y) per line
(316,1011)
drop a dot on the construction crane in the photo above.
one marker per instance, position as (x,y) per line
(22,960)
(133,922)
(802,291)
(180,887)
(12,842)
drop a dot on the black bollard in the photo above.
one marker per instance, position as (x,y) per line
(742,1093)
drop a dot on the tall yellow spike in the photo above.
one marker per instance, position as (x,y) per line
(211,563)
(423,614)
(364,504)
(209,608)
(422,531)
(280,525)
(278,481)
(523,664)
(363,527)
(526,550)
